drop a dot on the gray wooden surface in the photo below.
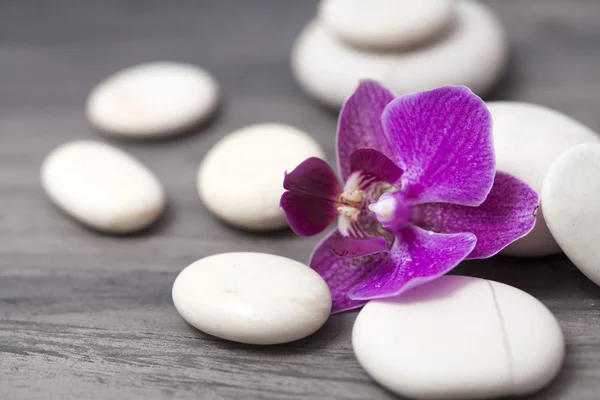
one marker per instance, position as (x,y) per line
(87,316)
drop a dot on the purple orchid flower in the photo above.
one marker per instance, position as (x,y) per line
(421,193)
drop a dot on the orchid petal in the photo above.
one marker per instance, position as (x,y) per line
(417,257)
(442,140)
(342,273)
(359,124)
(374,166)
(506,215)
(310,202)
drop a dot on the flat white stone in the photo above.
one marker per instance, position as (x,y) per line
(153,100)
(570,199)
(473,54)
(102,187)
(528,138)
(240,179)
(252,298)
(386,24)
(459,338)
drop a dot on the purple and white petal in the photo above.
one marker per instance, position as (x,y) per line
(506,215)
(442,139)
(359,124)
(373,166)
(417,257)
(342,273)
(310,202)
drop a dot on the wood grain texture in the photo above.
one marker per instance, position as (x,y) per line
(87,316)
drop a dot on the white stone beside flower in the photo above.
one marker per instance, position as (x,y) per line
(528,138)
(571,203)
(459,338)
(252,298)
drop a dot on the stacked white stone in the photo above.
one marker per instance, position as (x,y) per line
(407,45)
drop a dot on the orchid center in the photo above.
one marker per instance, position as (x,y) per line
(391,210)
(350,202)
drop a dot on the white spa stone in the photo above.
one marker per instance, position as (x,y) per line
(102,187)
(240,179)
(252,298)
(571,199)
(473,54)
(386,24)
(459,338)
(153,100)
(528,138)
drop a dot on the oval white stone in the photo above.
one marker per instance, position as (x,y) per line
(102,186)
(528,138)
(473,54)
(153,100)
(570,198)
(252,298)
(240,179)
(460,338)
(386,24)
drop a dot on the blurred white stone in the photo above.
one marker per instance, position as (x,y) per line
(153,100)
(102,187)
(386,24)
(473,53)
